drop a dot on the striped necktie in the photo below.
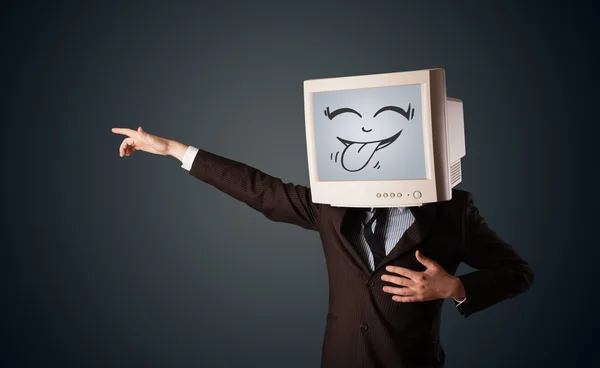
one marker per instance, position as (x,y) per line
(375,239)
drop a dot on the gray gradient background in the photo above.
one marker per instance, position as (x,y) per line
(112,262)
(402,159)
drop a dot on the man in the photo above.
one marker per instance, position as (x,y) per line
(384,309)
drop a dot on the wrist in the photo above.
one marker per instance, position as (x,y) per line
(457,289)
(176,149)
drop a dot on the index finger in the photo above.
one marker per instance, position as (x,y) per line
(403,271)
(125,131)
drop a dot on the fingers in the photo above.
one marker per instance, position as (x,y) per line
(127,147)
(413,275)
(402,281)
(124,131)
(418,286)
(403,291)
(429,263)
(406,299)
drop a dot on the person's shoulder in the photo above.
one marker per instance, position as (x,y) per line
(461,196)
(460,200)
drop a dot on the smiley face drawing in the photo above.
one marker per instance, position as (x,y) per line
(369,134)
(357,155)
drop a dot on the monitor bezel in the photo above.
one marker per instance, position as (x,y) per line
(378,193)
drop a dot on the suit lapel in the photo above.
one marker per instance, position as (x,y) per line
(342,214)
(425,217)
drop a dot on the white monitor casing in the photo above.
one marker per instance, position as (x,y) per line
(444,144)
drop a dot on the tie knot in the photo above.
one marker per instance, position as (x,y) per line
(378,212)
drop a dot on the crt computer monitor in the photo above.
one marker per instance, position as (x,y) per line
(383,140)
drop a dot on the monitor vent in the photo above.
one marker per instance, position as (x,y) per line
(455,173)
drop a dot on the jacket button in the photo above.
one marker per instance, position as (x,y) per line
(364,327)
(370,283)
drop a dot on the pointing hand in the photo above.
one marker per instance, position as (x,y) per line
(140,140)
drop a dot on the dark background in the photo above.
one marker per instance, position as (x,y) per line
(110,261)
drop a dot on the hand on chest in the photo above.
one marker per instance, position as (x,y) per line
(391,237)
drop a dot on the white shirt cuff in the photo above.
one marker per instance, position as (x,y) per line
(188,157)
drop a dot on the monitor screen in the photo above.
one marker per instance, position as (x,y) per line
(369,134)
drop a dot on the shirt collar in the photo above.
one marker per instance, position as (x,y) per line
(397,209)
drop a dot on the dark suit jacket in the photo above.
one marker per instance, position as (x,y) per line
(365,328)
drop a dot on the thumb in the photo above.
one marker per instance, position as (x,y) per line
(429,263)
(144,135)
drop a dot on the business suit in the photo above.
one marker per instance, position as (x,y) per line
(365,328)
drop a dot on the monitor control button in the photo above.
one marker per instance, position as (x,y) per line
(378,195)
(385,195)
(399,194)
(392,195)
(417,194)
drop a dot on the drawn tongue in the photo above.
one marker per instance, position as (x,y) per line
(357,155)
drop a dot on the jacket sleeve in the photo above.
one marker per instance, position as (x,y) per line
(500,272)
(276,200)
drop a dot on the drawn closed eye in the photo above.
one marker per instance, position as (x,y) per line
(409,113)
(334,113)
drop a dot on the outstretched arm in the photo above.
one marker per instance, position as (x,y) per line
(276,200)
(500,272)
